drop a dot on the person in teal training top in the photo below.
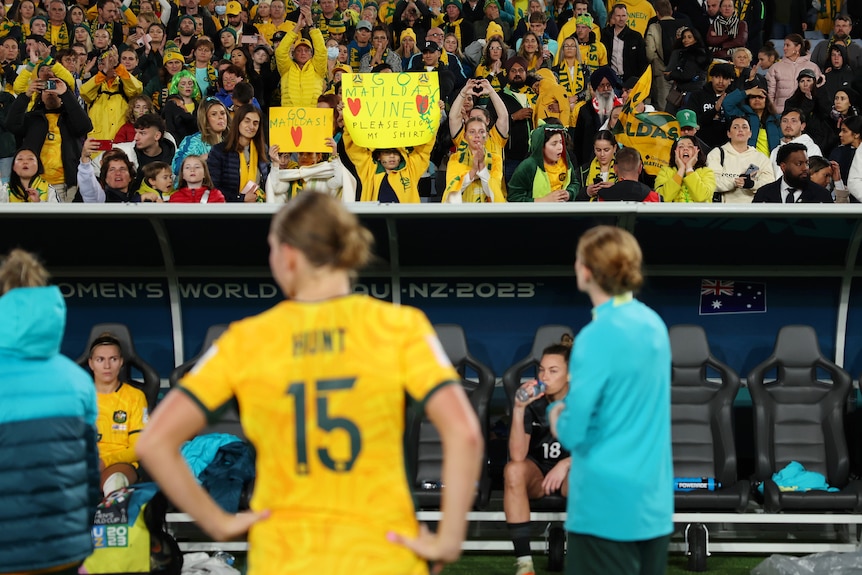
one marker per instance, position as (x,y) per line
(615,420)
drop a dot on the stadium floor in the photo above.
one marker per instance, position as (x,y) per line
(476,564)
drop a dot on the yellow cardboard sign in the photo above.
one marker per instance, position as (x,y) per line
(300,128)
(393,110)
(651,133)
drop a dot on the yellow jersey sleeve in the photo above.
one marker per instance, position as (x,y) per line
(211,382)
(425,363)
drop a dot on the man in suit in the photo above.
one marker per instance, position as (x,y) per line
(794,186)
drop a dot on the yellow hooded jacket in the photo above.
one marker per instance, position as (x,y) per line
(404,180)
(301,85)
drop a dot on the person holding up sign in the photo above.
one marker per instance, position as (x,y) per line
(309,173)
(390,175)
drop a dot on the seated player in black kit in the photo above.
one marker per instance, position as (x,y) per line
(538,465)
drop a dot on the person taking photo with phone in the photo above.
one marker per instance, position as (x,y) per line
(107,95)
(53,128)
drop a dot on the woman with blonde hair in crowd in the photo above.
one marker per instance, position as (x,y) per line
(47,429)
(82,36)
(458,63)
(407,47)
(569,71)
(475,175)
(213,121)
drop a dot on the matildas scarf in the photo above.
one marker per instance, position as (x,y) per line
(594,175)
(59,36)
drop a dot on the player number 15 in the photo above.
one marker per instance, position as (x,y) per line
(322,389)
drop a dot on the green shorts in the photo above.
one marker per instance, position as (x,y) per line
(588,555)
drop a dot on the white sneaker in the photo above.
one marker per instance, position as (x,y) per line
(114,482)
(525,566)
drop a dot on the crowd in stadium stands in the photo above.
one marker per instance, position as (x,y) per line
(95,93)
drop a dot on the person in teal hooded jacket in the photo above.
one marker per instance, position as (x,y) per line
(548,174)
(49,487)
(615,420)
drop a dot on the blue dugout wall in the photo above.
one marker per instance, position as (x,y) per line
(500,271)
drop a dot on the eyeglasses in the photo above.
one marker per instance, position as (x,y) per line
(757,97)
(435,34)
(570,45)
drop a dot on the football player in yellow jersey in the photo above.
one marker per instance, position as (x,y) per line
(320,381)
(122,415)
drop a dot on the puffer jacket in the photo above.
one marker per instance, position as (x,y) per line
(301,86)
(49,483)
(781,79)
(109,101)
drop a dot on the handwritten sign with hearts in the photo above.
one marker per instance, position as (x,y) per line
(300,129)
(391,110)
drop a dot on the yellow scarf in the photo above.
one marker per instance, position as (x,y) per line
(59,36)
(573,84)
(455,28)
(595,171)
(248,170)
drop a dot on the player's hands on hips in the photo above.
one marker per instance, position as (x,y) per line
(429,546)
(231,526)
(554,479)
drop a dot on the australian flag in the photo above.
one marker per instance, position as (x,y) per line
(727,296)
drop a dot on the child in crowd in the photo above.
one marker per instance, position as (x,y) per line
(158,181)
(195,185)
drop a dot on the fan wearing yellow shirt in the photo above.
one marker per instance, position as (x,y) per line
(320,381)
(640,13)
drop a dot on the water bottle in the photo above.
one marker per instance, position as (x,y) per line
(525,394)
(695,483)
(224,557)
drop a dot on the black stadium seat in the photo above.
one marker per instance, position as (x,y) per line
(701,423)
(229,421)
(800,417)
(213,333)
(151,384)
(425,451)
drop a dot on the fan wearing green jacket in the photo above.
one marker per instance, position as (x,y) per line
(548,174)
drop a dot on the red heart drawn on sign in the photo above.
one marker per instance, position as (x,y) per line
(422,104)
(355,105)
(296,134)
